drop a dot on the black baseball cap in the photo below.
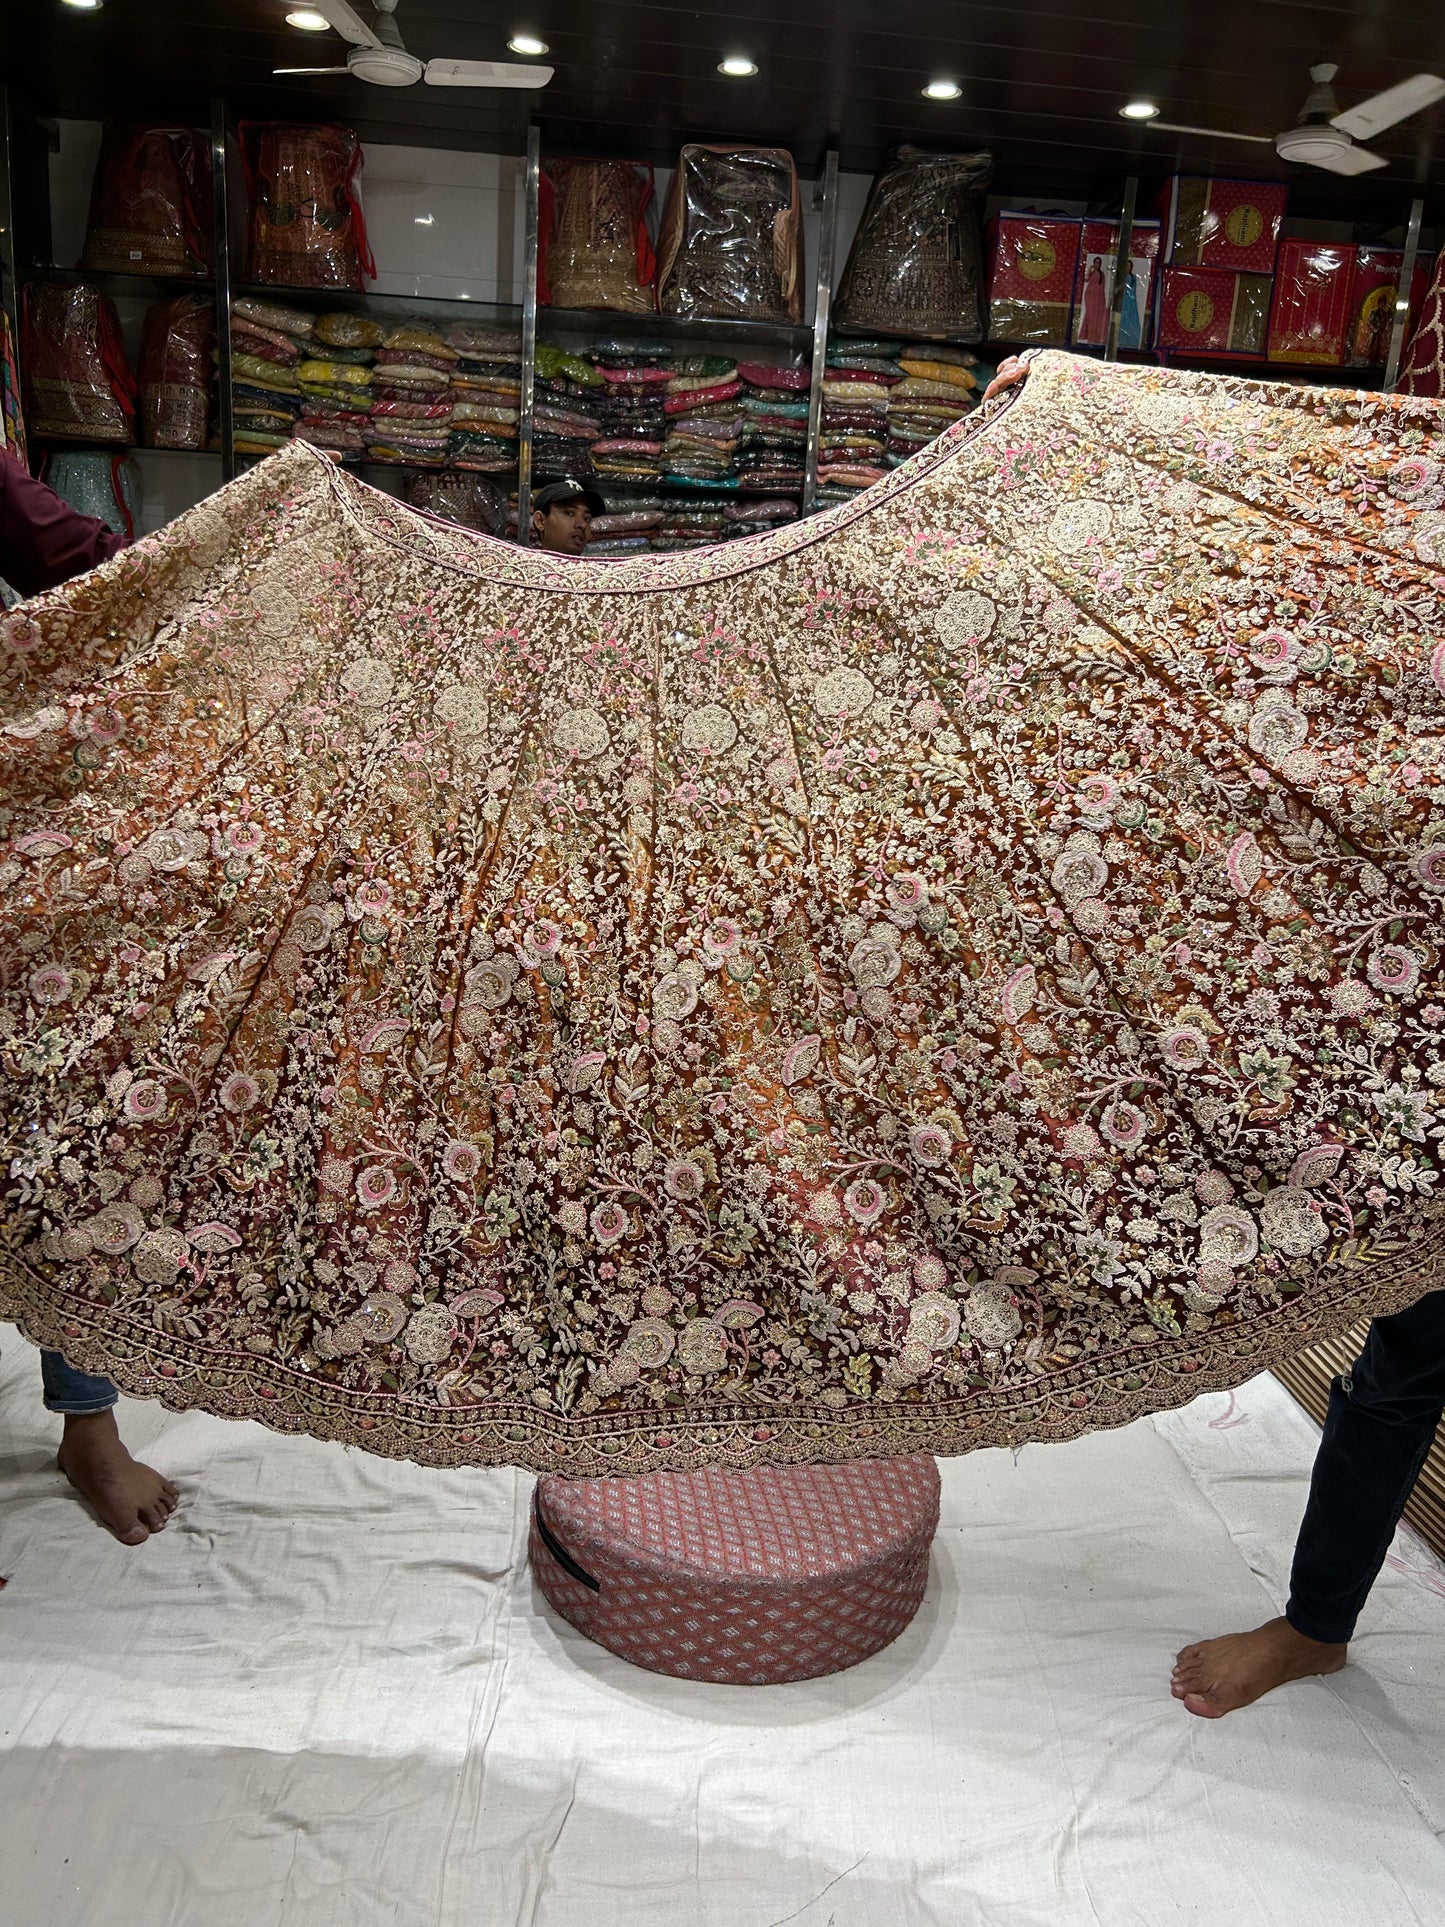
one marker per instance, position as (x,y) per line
(567,490)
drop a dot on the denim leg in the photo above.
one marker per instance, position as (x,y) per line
(1379,1427)
(75,1393)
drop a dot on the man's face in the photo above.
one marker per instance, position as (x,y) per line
(564,526)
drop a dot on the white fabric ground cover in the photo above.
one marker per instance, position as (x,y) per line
(328,1696)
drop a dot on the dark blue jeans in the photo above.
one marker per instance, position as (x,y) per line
(73,1392)
(1379,1427)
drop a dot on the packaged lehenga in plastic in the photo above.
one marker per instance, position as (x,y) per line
(731,245)
(468,499)
(916,263)
(78,382)
(176,360)
(307,229)
(596,249)
(150,203)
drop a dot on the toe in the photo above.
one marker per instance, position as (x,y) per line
(153,1517)
(1201,1705)
(132,1535)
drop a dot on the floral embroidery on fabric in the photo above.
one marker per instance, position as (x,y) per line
(964,969)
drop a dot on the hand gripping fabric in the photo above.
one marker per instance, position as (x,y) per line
(744,1578)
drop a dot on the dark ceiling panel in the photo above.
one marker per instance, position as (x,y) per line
(1042,83)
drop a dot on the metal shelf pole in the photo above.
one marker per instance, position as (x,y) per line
(225,281)
(1402,295)
(822,303)
(529,335)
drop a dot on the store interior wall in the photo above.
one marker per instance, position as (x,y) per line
(443,223)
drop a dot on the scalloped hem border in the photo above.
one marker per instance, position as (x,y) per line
(1085,1400)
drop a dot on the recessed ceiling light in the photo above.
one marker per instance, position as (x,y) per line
(528,44)
(1139,110)
(942,90)
(308,20)
(738,66)
(83,6)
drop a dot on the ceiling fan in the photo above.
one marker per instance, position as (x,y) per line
(1324,137)
(377,55)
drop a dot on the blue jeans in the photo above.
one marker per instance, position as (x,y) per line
(75,1393)
(1379,1426)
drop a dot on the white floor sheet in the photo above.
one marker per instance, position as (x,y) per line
(329,1696)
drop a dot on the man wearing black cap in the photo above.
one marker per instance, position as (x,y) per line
(562,515)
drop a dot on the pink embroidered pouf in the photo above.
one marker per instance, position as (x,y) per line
(747,1578)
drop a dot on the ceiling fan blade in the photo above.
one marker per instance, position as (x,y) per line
(347,22)
(310,70)
(1349,160)
(1380,111)
(1213,133)
(485,73)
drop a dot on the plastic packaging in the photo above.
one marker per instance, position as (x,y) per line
(1033,260)
(176,356)
(150,202)
(1309,318)
(466,499)
(105,486)
(295,323)
(349,331)
(918,253)
(307,229)
(1209,311)
(1094,284)
(731,246)
(595,247)
(1372,302)
(1223,224)
(78,381)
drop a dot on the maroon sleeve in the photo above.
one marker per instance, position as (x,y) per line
(43,540)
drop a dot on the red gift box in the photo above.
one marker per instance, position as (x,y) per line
(1207,311)
(1372,303)
(1033,261)
(1309,317)
(1223,224)
(1094,284)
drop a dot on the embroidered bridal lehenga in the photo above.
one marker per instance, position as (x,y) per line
(962,970)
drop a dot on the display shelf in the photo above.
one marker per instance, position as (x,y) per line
(61,445)
(387,307)
(139,287)
(676,330)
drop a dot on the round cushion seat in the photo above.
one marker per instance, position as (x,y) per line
(747,1578)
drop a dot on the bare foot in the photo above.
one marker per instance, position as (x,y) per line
(128,1497)
(1218,1676)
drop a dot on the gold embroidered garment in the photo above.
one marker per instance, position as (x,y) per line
(961,970)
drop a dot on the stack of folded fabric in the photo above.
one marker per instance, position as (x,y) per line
(625,528)
(566,416)
(774,441)
(630,412)
(704,414)
(486,394)
(754,516)
(335,385)
(267,344)
(412,389)
(335,403)
(855,419)
(690,523)
(938,388)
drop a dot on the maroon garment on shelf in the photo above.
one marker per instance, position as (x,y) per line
(43,540)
